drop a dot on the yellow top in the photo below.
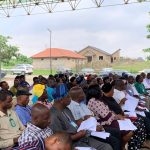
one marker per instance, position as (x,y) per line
(10,128)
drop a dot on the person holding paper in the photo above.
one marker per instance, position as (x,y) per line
(132,107)
(108,118)
(63,120)
(119,95)
(81,113)
(104,115)
(141,124)
(131,90)
(79,110)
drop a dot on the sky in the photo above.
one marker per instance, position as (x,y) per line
(107,28)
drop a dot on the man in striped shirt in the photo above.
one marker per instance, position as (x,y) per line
(39,126)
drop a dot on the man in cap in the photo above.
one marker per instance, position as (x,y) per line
(22,108)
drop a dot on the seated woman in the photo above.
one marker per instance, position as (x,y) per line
(108,90)
(140,86)
(41,95)
(108,118)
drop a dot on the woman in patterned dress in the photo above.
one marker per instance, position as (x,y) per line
(108,118)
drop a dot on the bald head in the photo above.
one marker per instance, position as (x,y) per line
(38,109)
(40,115)
(119,85)
(58,141)
(77,94)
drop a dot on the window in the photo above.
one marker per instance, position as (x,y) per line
(68,58)
(89,58)
(42,58)
(100,57)
(54,58)
(114,58)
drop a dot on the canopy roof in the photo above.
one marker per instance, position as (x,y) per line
(10,8)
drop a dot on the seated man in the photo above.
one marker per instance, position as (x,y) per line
(22,108)
(5,88)
(10,125)
(14,88)
(146,82)
(34,145)
(119,94)
(81,112)
(130,89)
(38,128)
(58,141)
(63,120)
(23,82)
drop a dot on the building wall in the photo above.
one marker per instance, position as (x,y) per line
(116,56)
(44,63)
(95,54)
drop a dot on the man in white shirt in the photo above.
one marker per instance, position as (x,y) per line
(131,90)
(79,110)
(146,81)
(119,94)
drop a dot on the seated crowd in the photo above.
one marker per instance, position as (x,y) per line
(47,114)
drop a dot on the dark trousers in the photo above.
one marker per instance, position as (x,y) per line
(115,139)
(147,123)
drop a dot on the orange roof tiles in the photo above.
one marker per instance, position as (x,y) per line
(57,52)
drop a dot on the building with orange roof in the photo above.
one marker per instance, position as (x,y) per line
(59,58)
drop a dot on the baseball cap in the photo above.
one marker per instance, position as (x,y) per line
(23,92)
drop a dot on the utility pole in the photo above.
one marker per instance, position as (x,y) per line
(50,51)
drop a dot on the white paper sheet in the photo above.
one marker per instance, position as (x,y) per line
(142,97)
(126,125)
(89,124)
(142,113)
(84,148)
(130,104)
(102,135)
(131,114)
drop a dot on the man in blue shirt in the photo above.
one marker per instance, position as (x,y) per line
(22,108)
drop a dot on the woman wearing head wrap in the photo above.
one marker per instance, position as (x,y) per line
(37,92)
(40,95)
(60,91)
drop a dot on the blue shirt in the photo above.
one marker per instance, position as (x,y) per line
(24,114)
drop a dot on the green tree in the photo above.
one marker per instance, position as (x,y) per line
(23,59)
(147,50)
(7,51)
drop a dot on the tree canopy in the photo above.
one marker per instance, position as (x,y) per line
(9,53)
(147,50)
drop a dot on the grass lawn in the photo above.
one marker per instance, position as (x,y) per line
(132,67)
(43,72)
